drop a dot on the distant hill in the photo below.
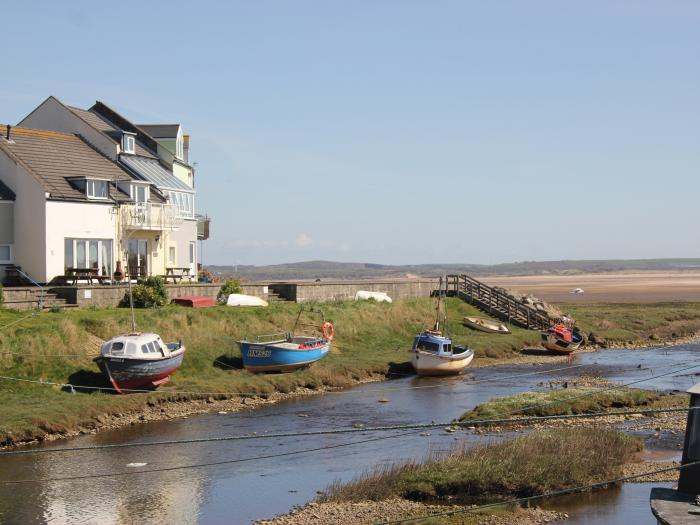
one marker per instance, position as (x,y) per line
(339,270)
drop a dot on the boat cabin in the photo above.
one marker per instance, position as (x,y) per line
(138,346)
(433,344)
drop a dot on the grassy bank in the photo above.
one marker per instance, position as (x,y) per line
(564,401)
(371,338)
(539,462)
(636,323)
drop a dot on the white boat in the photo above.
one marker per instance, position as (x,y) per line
(434,355)
(483,324)
(238,299)
(433,352)
(381,297)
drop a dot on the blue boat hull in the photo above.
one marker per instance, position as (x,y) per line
(259,357)
(125,373)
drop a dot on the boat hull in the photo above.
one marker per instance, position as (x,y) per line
(428,364)
(557,345)
(127,374)
(486,325)
(279,357)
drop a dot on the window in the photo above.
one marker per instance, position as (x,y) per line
(428,346)
(128,143)
(96,189)
(171,255)
(89,253)
(5,253)
(184,203)
(140,192)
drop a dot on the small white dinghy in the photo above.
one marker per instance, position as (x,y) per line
(380,297)
(483,324)
(239,299)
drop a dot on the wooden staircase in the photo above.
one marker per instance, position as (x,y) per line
(497,303)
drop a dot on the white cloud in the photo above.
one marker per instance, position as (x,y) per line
(303,240)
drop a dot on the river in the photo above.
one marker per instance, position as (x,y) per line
(246,488)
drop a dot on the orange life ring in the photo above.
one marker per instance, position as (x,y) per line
(328,330)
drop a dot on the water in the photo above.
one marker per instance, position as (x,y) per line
(244,489)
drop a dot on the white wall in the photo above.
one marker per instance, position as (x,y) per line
(7,222)
(76,220)
(29,218)
(51,115)
(181,238)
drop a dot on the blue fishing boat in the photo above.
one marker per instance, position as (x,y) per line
(286,351)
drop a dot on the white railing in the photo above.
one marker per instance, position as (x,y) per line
(149,216)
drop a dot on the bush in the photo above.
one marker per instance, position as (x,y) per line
(229,287)
(149,293)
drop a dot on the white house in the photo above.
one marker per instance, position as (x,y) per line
(157,155)
(65,205)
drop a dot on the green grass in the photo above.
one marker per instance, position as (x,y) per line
(563,401)
(539,462)
(633,323)
(371,338)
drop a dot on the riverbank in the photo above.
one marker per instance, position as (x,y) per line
(371,345)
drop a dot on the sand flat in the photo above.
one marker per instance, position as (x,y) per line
(607,287)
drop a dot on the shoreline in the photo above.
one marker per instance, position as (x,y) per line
(170,409)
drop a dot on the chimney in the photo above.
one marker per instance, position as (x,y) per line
(186,148)
(8,133)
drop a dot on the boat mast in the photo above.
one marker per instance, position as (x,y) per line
(446,329)
(437,308)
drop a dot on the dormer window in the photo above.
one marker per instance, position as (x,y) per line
(129,143)
(140,192)
(96,189)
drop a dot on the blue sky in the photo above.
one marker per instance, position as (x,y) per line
(398,131)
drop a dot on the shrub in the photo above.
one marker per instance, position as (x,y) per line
(229,287)
(149,293)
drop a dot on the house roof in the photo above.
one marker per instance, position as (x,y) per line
(113,131)
(161,131)
(54,158)
(152,171)
(6,194)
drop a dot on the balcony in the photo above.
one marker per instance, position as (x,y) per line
(149,216)
(203,227)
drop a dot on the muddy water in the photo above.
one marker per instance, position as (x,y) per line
(246,489)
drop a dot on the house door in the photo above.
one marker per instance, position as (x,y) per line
(193,258)
(138,257)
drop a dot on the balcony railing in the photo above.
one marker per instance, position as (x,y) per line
(149,216)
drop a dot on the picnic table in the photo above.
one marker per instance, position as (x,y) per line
(84,274)
(177,273)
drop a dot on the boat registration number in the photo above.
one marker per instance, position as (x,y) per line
(259,351)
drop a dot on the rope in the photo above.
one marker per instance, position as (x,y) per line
(385,428)
(19,320)
(582,488)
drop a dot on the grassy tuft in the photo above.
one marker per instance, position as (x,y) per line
(565,401)
(539,462)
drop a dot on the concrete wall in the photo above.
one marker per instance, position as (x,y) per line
(29,218)
(303,292)
(76,220)
(7,222)
(53,116)
(110,296)
(183,173)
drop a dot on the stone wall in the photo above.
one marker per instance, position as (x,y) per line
(303,292)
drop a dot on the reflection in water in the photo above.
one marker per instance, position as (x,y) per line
(243,491)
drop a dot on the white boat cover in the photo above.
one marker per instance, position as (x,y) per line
(377,296)
(239,299)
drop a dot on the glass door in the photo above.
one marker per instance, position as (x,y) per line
(138,258)
(193,258)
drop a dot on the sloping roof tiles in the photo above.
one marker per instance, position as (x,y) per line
(54,158)
(161,131)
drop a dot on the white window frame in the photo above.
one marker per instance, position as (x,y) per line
(133,192)
(128,143)
(90,189)
(11,259)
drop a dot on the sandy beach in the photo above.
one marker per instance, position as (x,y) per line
(611,287)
